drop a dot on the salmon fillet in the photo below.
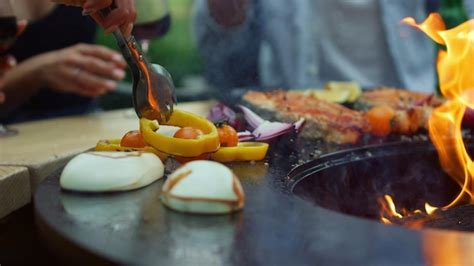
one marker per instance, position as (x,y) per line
(324,120)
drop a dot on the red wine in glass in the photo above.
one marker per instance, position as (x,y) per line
(153,21)
(154,29)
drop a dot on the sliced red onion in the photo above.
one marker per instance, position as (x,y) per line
(221,112)
(269,130)
(299,124)
(263,130)
(245,136)
(252,118)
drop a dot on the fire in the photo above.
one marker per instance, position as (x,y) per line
(389,211)
(457,85)
(429,209)
(455,66)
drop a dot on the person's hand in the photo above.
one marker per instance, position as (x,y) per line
(83,69)
(122,16)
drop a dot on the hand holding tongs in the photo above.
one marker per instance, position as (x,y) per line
(153,89)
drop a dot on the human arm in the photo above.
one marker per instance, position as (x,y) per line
(32,10)
(87,70)
(229,47)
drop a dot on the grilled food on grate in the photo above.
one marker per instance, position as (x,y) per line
(412,109)
(336,123)
(324,120)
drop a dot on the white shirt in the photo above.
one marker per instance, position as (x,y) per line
(353,43)
(282,43)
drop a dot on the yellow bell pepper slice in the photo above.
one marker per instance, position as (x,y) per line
(207,143)
(244,151)
(114,145)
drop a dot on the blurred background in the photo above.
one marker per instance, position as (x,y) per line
(177,52)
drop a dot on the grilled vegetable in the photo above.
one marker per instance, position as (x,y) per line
(114,145)
(244,151)
(227,135)
(133,139)
(189,133)
(208,142)
(380,119)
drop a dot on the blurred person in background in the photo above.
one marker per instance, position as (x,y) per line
(8,61)
(297,44)
(60,71)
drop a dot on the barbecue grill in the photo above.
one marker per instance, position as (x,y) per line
(324,211)
(353,182)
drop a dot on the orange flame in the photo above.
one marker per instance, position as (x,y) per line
(455,66)
(389,212)
(457,85)
(430,209)
(388,209)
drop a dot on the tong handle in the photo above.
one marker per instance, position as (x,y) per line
(146,80)
(124,46)
(122,42)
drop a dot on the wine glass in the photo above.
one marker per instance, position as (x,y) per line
(153,21)
(8,34)
(8,26)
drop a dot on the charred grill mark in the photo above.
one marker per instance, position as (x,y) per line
(330,121)
(173,182)
(237,191)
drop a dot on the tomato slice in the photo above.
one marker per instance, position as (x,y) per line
(227,136)
(189,133)
(133,139)
(380,120)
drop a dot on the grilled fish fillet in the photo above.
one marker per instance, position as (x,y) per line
(324,120)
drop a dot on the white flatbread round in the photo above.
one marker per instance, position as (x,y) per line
(204,187)
(111,171)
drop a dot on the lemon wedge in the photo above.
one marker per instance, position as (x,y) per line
(341,86)
(337,96)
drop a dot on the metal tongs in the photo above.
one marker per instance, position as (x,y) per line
(153,88)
